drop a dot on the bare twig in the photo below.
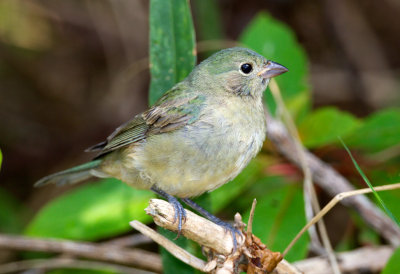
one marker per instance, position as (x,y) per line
(131,240)
(333,183)
(333,202)
(174,249)
(371,258)
(251,218)
(66,263)
(140,258)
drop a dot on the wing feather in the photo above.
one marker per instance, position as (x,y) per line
(174,110)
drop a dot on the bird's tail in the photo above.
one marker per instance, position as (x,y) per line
(70,176)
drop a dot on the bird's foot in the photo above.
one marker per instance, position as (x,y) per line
(180,214)
(227,226)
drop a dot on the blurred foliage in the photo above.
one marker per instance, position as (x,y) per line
(393,265)
(278,217)
(366,180)
(10,213)
(103,210)
(91,212)
(208,20)
(379,131)
(320,128)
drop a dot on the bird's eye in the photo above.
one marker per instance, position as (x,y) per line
(246,68)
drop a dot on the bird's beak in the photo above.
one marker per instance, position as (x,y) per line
(272,69)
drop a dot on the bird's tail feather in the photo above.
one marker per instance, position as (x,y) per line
(70,176)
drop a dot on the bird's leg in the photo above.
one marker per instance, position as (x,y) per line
(214,219)
(180,213)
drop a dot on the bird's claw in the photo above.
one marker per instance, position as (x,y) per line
(180,214)
(229,228)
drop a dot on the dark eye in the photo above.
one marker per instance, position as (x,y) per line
(246,68)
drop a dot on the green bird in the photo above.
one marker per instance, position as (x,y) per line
(198,136)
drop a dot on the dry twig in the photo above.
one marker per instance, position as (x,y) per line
(69,263)
(110,253)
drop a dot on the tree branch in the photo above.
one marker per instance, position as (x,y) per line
(18,266)
(250,255)
(140,258)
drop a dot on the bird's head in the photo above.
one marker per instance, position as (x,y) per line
(238,71)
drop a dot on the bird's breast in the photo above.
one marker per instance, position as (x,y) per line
(203,155)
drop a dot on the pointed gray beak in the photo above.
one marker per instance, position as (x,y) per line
(272,69)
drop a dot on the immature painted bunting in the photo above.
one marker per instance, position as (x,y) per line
(198,136)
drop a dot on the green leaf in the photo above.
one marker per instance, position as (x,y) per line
(10,213)
(1,158)
(91,212)
(323,126)
(170,263)
(278,218)
(172,45)
(379,131)
(208,19)
(277,42)
(366,180)
(389,175)
(393,265)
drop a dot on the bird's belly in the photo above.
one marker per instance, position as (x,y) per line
(189,162)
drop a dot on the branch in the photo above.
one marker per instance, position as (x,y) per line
(372,258)
(140,258)
(195,227)
(332,182)
(69,263)
(250,255)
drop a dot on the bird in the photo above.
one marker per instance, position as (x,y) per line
(198,136)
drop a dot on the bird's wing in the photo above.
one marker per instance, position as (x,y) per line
(173,111)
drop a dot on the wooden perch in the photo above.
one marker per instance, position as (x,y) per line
(251,255)
(195,228)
